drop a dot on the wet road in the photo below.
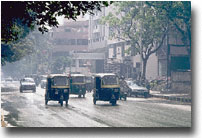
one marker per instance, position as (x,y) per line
(29,110)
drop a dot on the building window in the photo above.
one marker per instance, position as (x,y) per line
(72,41)
(180,63)
(67,30)
(138,65)
(82,41)
(162,67)
(127,42)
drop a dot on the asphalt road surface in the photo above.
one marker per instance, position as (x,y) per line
(28,109)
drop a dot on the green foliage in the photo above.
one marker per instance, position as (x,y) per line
(142,25)
(60,63)
(179,15)
(15,51)
(139,23)
(38,59)
(41,13)
(18,18)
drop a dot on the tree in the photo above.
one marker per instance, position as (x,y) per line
(20,17)
(179,15)
(37,62)
(60,63)
(11,52)
(142,25)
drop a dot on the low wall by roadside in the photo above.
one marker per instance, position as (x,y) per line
(181,81)
(3,123)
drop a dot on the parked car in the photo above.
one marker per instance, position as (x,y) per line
(8,79)
(135,90)
(27,84)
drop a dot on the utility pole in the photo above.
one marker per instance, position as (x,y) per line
(168,59)
(168,54)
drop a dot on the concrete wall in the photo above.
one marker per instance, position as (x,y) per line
(152,67)
(181,82)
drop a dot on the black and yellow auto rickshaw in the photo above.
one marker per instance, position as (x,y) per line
(57,88)
(78,85)
(106,88)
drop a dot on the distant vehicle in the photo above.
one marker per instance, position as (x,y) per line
(78,85)
(8,85)
(8,79)
(89,83)
(35,77)
(106,88)
(135,90)
(57,88)
(27,84)
(43,83)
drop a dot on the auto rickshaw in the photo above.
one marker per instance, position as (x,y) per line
(57,88)
(106,88)
(89,83)
(78,85)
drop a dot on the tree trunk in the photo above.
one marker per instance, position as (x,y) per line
(144,66)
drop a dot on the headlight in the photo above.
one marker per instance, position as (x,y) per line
(116,90)
(56,91)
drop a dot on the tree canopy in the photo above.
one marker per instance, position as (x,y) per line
(142,25)
(179,15)
(18,18)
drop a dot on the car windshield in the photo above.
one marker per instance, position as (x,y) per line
(131,83)
(78,79)
(61,81)
(28,80)
(110,80)
(134,85)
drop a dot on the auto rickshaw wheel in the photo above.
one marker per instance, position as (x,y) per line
(66,103)
(79,96)
(61,103)
(113,102)
(94,101)
(83,95)
(46,102)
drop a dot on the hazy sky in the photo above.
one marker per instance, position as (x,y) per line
(61,19)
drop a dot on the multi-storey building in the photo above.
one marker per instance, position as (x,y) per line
(71,36)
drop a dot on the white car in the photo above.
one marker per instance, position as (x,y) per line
(135,90)
(27,84)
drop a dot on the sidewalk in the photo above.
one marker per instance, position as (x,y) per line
(182,97)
